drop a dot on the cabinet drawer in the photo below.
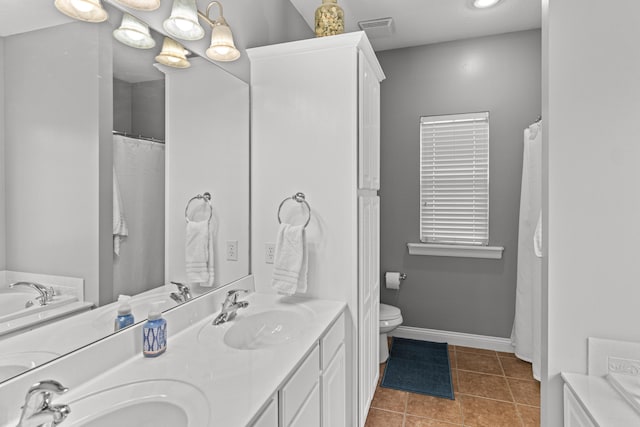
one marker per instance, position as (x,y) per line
(269,416)
(302,383)
(309,413)
(331,341)
(574,414)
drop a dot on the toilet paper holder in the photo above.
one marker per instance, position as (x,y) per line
(402,275)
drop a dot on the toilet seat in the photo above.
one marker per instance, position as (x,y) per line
(390,319)
(389,312)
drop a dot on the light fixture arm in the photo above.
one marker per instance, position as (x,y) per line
(205,16)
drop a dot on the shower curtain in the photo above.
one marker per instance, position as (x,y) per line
(526,333)
(139,169)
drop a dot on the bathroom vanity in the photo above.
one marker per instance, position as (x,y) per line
(280,362)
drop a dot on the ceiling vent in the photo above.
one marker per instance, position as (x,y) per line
(377,27)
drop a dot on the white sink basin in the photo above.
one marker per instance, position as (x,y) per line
(264,329)
(152,403)
(13,364)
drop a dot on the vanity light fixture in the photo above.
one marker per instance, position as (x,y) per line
(84,10)
(173,54)
(146,5)
(483,4)
(222,47)
(183,22)
(134,33)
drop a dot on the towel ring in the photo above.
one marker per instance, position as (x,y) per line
(300,198)
(206,197)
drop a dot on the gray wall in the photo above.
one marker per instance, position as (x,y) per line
(122,99)
(502,75)
(58,173)
(147,109)
(138,108)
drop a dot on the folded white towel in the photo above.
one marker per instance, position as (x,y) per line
(290,261)
(199,253)
(120,229)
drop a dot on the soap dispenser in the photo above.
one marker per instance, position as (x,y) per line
(154,332)
(124,317)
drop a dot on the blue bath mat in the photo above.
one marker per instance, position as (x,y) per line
(419,367)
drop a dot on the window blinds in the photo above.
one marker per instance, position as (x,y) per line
(454,179)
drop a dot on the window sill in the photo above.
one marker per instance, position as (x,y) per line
(462,251)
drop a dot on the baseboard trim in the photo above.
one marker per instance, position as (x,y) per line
(454,338)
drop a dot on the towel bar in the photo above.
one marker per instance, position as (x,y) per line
(206,197)
(300,198)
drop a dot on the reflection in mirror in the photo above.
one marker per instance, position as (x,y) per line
(90,135)
(138,161)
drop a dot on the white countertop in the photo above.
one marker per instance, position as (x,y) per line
(602,402)
(236,383)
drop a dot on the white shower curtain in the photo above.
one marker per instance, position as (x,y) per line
(526,333)
(139,168)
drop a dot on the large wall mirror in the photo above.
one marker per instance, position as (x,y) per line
(105,156)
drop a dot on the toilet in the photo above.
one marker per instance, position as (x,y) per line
(390,318)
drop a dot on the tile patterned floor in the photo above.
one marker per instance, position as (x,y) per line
(492,389)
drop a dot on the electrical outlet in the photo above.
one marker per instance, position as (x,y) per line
(232,250)
(269,252)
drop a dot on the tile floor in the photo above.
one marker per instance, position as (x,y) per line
(492,389)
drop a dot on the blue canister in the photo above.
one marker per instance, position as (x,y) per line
(154,333)
(124,317)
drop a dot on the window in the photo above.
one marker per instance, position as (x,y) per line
(454,179)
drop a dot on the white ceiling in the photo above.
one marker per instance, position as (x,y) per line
(418,22)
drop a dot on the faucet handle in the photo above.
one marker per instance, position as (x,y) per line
(180,286)
(44,389)
(184,290)
(50,386)
(233,294)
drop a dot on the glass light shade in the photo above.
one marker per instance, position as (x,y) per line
(222,47)
(83,10)
(134,33)
(140,4)
(483,4)
(183,22)
(173,54)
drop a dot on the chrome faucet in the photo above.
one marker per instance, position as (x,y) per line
(183,294)
(230,306)
(38,410)
(46,294)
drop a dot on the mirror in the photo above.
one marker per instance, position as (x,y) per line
(67,86)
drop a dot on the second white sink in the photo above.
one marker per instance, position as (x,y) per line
(264,329)
(144,403)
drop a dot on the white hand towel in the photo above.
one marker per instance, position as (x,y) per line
(199,253)
(290,262)
(120,229)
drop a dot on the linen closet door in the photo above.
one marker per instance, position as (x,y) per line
(369,297)
(368,231)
